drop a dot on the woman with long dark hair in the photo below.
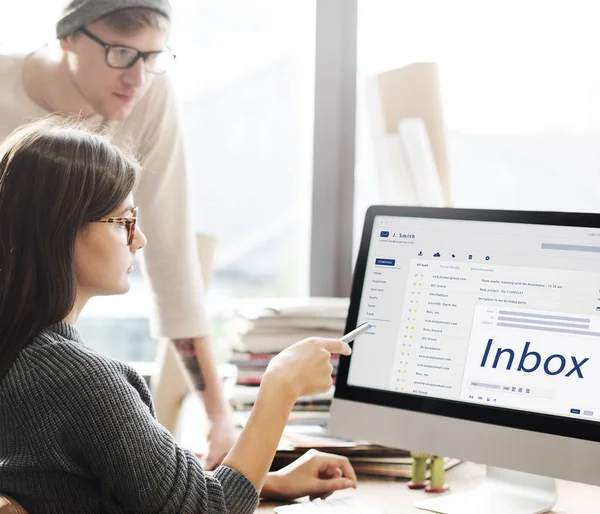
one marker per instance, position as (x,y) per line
(77,429)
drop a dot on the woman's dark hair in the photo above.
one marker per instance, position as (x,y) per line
(54,179)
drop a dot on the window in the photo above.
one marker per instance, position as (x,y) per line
(245,74)
(520,95)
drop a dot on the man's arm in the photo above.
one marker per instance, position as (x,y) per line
(171,257)
(171,261)
(186,349)
(202,375)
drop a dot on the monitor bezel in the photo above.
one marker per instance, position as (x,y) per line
(512,418)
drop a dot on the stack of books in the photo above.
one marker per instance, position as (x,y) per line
(305,431)
(267,327)
(251,368)
(259,331)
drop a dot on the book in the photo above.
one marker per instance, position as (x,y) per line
(244,397)
(269,326)
(277,322)
(276,341)
(261,360)
(394,470)
(307,307)
(243,357)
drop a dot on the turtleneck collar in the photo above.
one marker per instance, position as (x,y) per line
(65,330)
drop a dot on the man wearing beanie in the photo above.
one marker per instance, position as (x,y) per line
(81,435)
(108,66)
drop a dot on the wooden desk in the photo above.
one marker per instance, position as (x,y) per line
(393,497)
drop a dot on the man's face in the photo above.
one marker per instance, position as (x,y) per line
(111,92)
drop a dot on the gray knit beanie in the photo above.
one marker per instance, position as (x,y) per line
(78,13)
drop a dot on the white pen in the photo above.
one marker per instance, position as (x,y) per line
(351,336)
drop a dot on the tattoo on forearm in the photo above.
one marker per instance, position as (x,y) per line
(187,351)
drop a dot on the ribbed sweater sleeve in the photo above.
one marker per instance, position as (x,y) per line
(98,420)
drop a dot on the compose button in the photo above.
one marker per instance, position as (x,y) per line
(385,262)
(575,411)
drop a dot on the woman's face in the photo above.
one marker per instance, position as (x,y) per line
(103,260)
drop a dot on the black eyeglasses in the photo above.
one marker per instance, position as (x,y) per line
(124,57)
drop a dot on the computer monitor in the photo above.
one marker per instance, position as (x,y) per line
(485,347)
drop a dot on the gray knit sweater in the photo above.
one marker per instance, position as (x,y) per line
(78,434)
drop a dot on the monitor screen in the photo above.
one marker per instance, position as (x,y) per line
(496,314)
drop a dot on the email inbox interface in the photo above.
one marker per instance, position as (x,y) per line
(491,313)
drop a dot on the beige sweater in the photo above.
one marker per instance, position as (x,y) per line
(153,134)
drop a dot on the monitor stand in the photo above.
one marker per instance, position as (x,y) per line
(503,491)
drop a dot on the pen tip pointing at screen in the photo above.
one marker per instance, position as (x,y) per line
(361,329)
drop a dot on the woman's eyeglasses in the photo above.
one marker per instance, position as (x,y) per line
(130,223)
(124,57)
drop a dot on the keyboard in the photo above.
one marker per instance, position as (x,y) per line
(348,505)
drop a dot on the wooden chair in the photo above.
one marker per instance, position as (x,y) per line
(410,92)
(10,506)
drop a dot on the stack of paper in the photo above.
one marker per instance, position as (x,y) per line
(273,326)
(309,430)
(260,330)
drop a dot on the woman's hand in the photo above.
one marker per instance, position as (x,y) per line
(301,369)
(315,474)
(304,368)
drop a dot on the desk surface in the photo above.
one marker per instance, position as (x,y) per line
(393,497)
